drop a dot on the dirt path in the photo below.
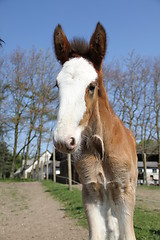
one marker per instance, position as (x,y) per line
(27,212)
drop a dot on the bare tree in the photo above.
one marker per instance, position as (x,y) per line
(1,42)
(125,88)
(46,96)
(156,79)
(31,111)
(17,90)
(134,89)
(27,95)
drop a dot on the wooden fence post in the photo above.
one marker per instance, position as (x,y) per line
(69,172)
(145,169)
(159,173)
(54,164)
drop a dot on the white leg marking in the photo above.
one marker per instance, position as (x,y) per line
(124,212)
(96,221)
(112,225)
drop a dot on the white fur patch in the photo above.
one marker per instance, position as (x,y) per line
(75,76)
(97,225)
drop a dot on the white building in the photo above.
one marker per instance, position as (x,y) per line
(152,172)
(31,165)
(44,159)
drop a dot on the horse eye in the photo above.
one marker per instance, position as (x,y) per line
(91,87)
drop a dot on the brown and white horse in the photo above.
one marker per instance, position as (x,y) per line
(104,150)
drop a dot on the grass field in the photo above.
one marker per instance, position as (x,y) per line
(147,213)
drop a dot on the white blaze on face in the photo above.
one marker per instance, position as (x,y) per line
(75,76)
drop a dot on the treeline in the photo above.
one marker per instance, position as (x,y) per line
(28,101)
(133,86)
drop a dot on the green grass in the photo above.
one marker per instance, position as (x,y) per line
(12,180)
(152,187)
(146,223)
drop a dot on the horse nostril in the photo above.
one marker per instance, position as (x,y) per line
(72,142)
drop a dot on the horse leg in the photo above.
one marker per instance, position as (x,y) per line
(94,210)
(112,225)
(124,211)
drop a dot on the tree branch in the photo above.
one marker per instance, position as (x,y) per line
(25,145)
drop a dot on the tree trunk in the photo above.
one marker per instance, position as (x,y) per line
(47,167)
(158,139)
(39,148)
(14,151)
(26,155)
(42,170)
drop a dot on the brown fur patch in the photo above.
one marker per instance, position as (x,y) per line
(91,175)
(79,47)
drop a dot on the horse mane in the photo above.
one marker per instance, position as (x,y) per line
(80,47)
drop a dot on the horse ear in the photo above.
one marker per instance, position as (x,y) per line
(98,145)
(61,45)
(98,46)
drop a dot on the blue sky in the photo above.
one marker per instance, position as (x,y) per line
(129,24)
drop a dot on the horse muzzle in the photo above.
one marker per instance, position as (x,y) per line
(67,145)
